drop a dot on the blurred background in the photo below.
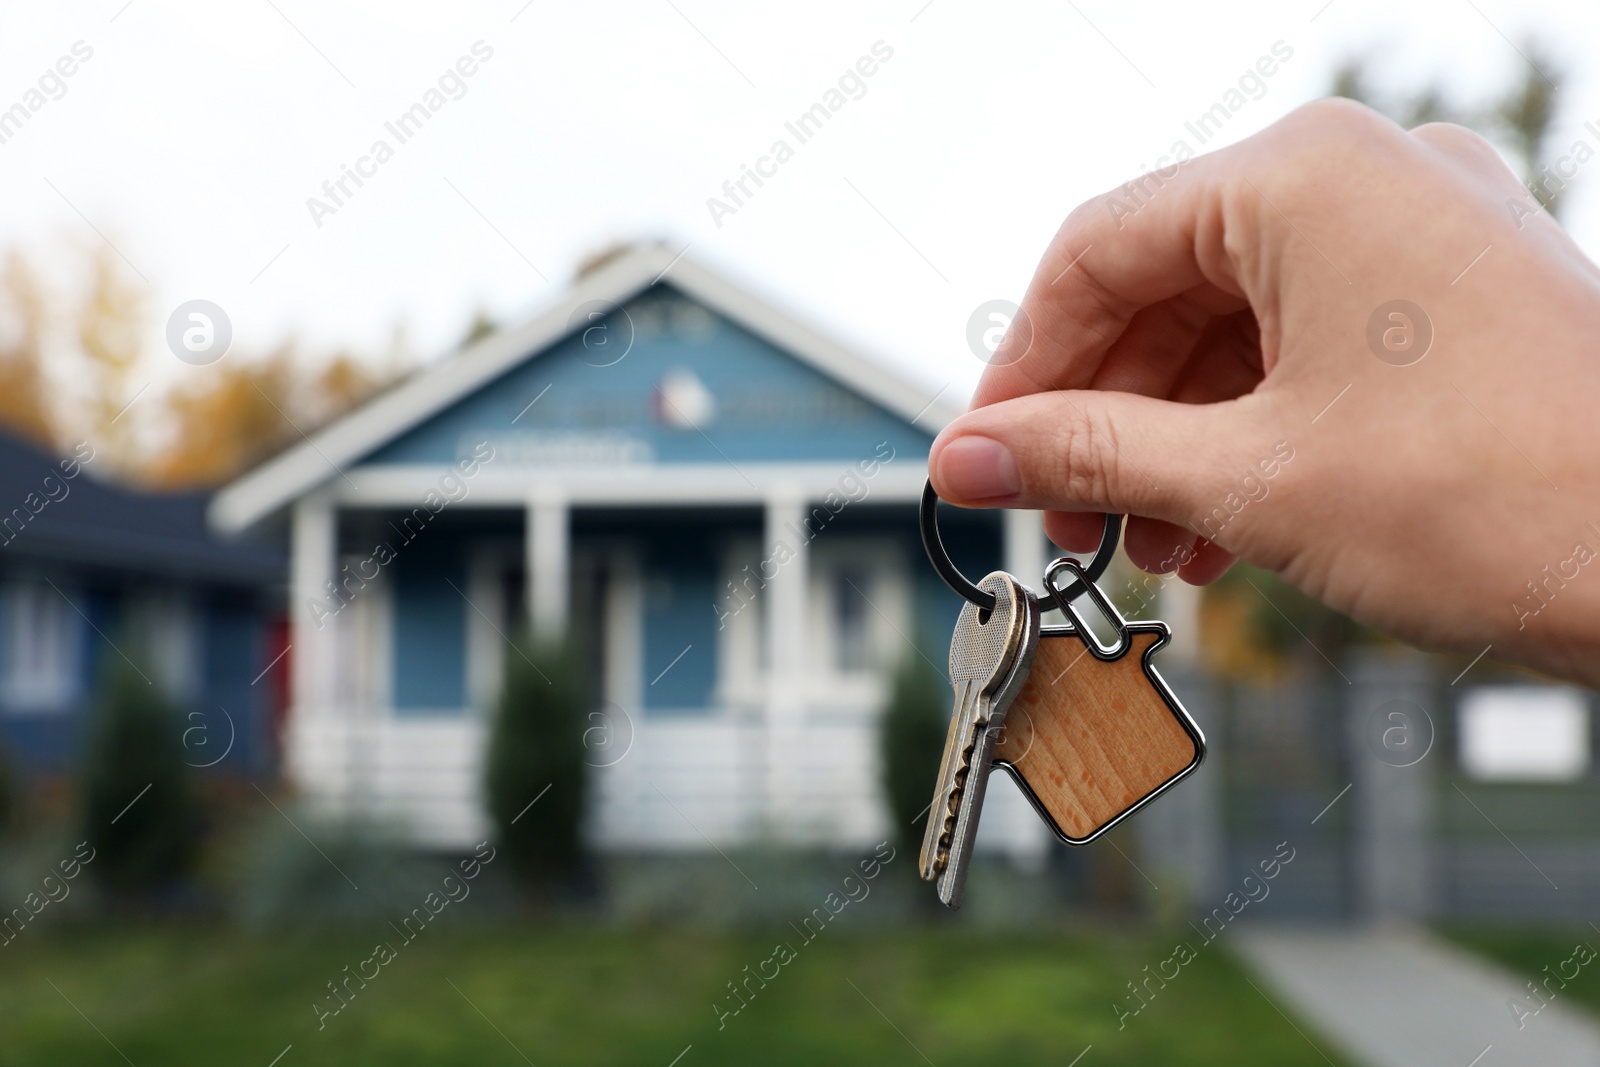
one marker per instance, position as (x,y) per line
(460,598)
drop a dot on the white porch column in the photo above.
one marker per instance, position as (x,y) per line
(548,547)
(313,538)
(1025,549)
(1179,607)
(786,638)
(313,545)
(1009,822)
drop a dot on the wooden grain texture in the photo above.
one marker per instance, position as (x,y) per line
(1091,739)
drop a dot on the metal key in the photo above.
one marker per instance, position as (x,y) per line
(989,661)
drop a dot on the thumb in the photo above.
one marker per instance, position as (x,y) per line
(1090,450)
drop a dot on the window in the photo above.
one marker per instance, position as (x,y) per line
(680,635)
(1526,733)
(167,631)
(428,632)
(496,595)
(42,647)
(739,612)
(857,611)
(361,638)
(858,615)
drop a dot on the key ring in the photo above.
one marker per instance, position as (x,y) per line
(928,519)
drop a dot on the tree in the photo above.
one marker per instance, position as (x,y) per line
(1521,118)
(1527,115)
(231,415)
(139,808)
(344,382)
(536,781)
(197,429)
(23,323)
(227,417)
(109,328)
(911,740)
(480,327)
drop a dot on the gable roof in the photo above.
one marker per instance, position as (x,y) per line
(296,471)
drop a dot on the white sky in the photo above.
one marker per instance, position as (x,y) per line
(197,131)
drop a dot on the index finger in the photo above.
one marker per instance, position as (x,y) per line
(1147,241)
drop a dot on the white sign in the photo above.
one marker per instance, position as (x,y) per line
(556,448)
(1526,733)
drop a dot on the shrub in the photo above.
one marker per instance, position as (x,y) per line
(139,807)
(912,741)
(535,772)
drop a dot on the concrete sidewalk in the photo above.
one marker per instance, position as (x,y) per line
(1400,997)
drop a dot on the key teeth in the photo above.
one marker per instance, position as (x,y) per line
(952,803)
(952,879)
(933,855)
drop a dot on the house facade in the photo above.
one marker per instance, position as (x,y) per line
(92,574)
(718,505)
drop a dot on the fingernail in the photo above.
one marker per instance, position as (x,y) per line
(978,468)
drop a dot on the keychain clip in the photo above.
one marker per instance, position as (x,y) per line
(1108,653)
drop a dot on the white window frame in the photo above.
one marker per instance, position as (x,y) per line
(363,635)
(889,620)
(741,637)
(32,607)
(167,628)
(624,625)
(741,653)
(487,563)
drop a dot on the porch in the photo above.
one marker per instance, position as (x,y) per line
(737,626)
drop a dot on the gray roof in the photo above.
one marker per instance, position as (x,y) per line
(108,527)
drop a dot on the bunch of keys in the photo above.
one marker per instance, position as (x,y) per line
(1089,730)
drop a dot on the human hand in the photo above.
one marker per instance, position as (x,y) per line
(1199,358)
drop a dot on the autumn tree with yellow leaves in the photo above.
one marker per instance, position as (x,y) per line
(234,414)
(22,338)
(108,325)
(73,366)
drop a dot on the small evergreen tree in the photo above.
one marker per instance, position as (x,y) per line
(912,742)
(140,811)
(535,774)
(10,795)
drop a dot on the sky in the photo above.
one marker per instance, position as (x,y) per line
(193,137)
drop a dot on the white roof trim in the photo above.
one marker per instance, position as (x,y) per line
(298,470)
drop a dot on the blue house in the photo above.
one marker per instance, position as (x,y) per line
(92,574)
(717,501)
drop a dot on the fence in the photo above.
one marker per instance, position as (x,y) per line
(1360,773)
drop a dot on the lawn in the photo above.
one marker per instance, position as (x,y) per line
(1527,953)
(520,994)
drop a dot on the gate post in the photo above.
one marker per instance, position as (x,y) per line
(1392,731)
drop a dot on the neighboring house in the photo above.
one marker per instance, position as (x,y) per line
(716,501)
(90,572)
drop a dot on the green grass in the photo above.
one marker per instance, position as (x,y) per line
(1527,952)
(176,996)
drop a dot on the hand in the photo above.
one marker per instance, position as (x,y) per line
(1215,353)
